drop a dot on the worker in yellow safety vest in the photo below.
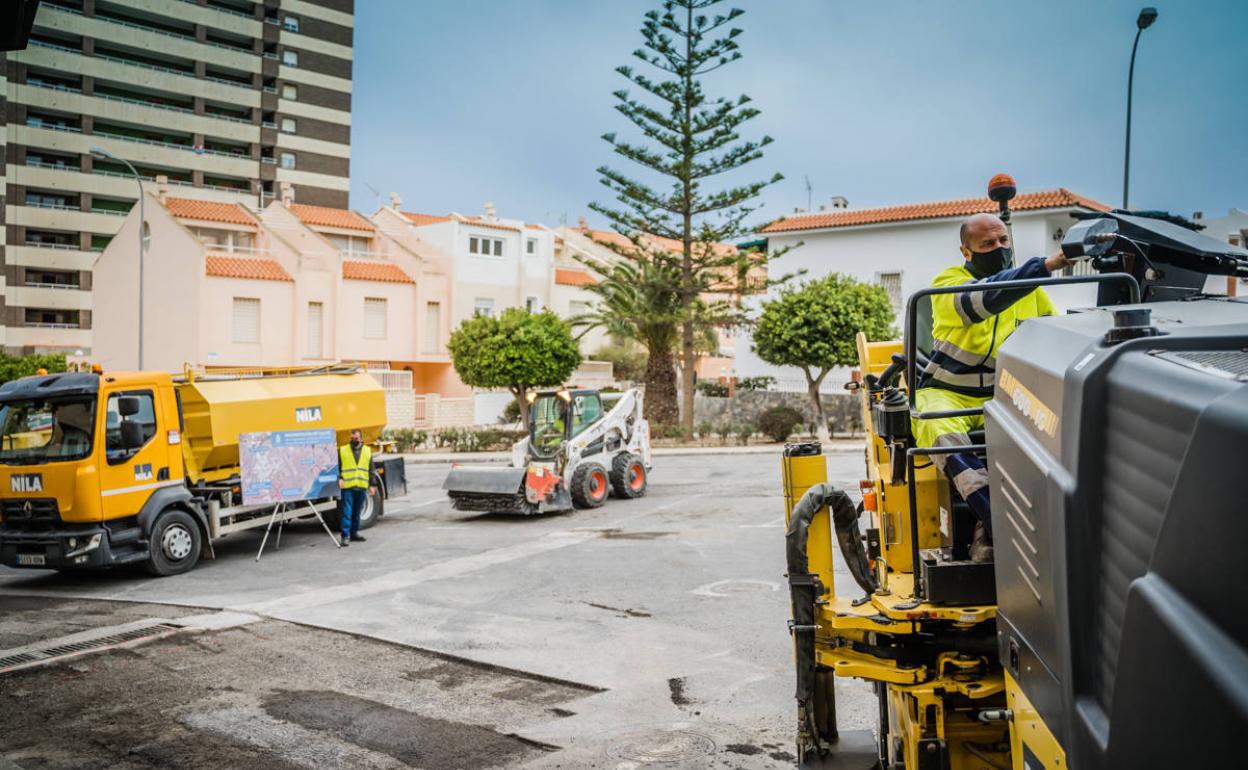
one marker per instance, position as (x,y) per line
(967,330)
(355,472)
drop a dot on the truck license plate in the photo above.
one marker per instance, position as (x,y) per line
(32,559)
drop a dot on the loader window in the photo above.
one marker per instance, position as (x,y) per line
(44,431)
(586,410)
(146,418)
(549,424)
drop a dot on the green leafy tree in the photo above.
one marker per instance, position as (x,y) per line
(518,350)
(627,357)
(635,301)
(690,139)
(16,367)
(813,326)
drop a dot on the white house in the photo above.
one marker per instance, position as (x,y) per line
(902,248)
(1232,229)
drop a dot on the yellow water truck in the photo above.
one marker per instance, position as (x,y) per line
(108,468)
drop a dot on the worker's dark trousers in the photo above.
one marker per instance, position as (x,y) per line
(352,505)
(970,476)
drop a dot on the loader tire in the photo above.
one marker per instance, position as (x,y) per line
(590,486)
(628,476)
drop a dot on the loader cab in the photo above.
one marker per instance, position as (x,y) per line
(559,415)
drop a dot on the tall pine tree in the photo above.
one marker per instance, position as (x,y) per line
(691,138)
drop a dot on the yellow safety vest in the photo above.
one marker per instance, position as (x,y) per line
(968,328)
(352,474)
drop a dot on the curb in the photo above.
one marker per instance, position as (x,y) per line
(837,448)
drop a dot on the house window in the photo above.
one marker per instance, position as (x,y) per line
(290,91)
(290,58)
(291,24)
(530,246)
(892,284)
(530,304)
(483,306)
(288,125)
(287,160)
(576,308)
(316,329)
(374,318)
(433,327)
(485,246)
(246,320)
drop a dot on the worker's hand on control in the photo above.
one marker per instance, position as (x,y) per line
(1056,262)
(372,490)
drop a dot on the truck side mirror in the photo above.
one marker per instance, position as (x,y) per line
(131,434)
(128,406)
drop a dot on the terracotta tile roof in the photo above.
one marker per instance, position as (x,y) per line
(565,277)
(242,267)
(385,272)
(324,216)
(533,227)
(1047,199)
(209,211)
(424,219)
(479,222)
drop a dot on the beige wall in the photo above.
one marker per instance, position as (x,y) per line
(173,275)
(216,327)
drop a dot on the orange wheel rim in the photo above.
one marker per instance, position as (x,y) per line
(636,477)
(597,483)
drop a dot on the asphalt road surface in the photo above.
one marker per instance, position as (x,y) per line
(649,632)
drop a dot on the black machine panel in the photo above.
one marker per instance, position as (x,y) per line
(1093,458)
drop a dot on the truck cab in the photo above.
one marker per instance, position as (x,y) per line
(83,457)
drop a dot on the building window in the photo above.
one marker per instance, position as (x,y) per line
(531,304)
(287,160)
(576,308)
(56,279)
(483,306)
(486,247)
(246,320)
(290,58)
(51,319)
(288,125)
(374,318)
(290,91)
(291,23)
(433,327)
(530,246)
(891,282)
(316,330)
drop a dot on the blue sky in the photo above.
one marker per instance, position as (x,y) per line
(890,101)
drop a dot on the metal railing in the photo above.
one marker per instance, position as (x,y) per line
(54,127)
(228,82)
(110,212)
(55,47)
(36,285)
(227,11)
(54,166)
(269,89)
(229,47)
(51,325)
(58,206)
(58,246)
(53,86)
(399,379)
(172,146)
(143,103)
(142,65)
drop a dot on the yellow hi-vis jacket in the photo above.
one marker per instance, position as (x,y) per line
(352,474)
(968,327)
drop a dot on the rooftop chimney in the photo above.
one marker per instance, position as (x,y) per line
(162,187)
(489,211)
(581,224)
(288,193)
(840,202)
(395,201)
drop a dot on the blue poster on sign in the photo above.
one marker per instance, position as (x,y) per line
(288,466)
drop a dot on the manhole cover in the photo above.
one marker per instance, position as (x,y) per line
(662,746)
(733,587)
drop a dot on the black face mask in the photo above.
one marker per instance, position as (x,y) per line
(984,264)
(355,443)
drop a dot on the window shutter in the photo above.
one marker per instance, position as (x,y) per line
(433,326)
(246,319)
(374,318)
(316,329)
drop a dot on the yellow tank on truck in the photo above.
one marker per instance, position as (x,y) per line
(216,410)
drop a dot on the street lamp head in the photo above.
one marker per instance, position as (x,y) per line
(100,152)
(1146,18)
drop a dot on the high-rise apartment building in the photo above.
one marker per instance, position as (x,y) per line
(229,100)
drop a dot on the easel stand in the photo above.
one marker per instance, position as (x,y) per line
(278,510)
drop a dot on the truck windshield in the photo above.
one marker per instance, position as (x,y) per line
(37,431)
(550,414)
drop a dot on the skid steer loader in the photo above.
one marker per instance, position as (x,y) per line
(582,446)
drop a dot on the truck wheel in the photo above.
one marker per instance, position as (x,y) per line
(374,506)
(174,543)
(590,486)
(628,476)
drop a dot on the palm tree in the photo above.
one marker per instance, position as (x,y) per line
(636,301)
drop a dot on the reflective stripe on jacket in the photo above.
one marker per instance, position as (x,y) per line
(969,327)
(353,474)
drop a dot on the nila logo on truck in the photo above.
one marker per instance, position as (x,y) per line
(307,414)
(26,482)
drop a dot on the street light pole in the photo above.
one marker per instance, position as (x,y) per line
(1143,21)
(138,180)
